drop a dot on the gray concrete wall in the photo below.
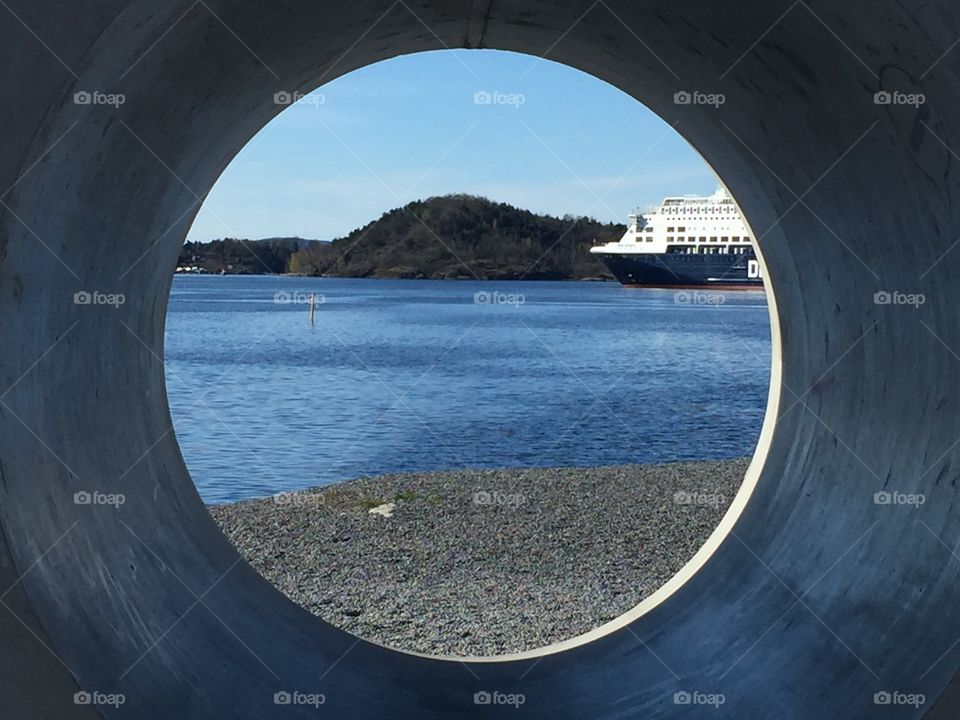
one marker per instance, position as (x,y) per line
(817,599)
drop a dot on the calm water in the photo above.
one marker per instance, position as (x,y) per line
(417,375)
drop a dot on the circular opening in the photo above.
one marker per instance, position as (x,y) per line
(452,443)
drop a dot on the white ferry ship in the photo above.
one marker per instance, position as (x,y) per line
(686,242)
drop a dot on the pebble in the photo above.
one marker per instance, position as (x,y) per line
(483,562)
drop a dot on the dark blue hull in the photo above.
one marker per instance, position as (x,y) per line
(685,270)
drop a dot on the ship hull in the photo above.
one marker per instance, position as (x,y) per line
(679,270)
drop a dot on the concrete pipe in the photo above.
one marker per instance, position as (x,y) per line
(818,597)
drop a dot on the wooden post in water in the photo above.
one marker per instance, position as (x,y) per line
(313,307)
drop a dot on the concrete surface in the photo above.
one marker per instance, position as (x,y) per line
(819,598)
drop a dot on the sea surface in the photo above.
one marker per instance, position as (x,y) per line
(415,375)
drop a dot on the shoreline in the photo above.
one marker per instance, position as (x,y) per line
(483,562)
(395,277)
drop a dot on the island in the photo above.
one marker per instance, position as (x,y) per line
(439,238)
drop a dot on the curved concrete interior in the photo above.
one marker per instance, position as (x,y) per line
(818,598)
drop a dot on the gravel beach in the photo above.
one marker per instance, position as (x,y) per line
(483,562)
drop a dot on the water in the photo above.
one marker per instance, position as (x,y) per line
(417,375)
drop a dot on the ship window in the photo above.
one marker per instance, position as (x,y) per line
(649,239)
(670,239)
(681,229)
(669,229)
(724,239)
(736,239)
(713,239)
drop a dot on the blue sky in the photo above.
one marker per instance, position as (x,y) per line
(551,140)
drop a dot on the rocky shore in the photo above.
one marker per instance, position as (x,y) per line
(483,562)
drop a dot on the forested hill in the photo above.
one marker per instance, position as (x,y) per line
(449,237)
(242,257)
(461,236)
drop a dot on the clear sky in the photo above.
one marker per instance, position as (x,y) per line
(540,135)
